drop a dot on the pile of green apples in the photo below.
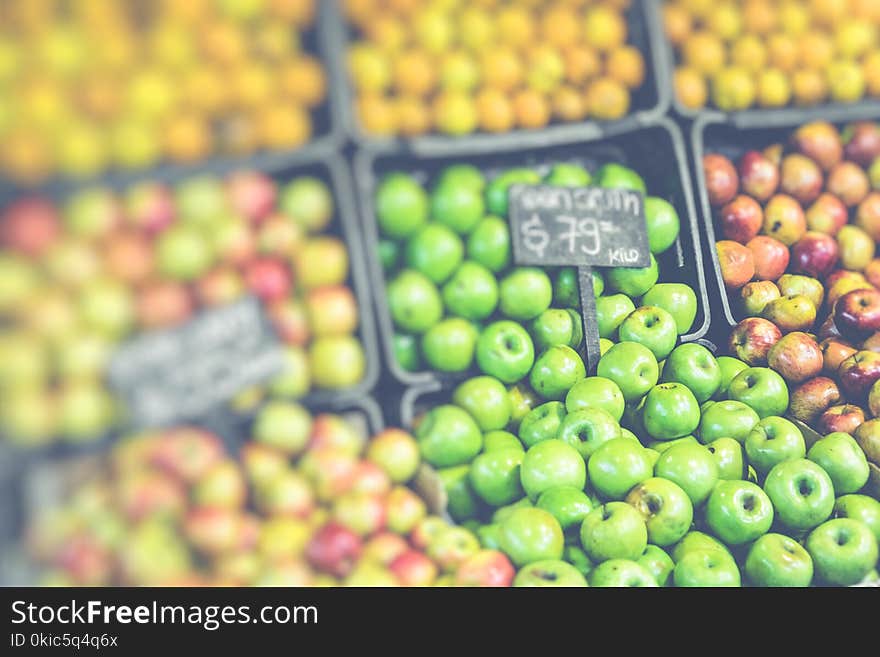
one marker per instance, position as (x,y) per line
(308,502)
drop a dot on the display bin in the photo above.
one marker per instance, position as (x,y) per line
(648,103)
(658,154)
(334,172)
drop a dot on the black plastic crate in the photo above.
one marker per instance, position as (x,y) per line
(334,172)
(657,152)
(648,103)
(732,138)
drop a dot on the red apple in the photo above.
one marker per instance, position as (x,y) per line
(370,478)
(187,452)
(834,352)
(758,175)
(279,235)
(857,314)
(812,398)
(128,256)
(770,255)
(796,356)
(801,178)
(827,214)
(162,304)
(485,568)
(214,530)
(741,219)
(362,513)
(842,281)
(29,226)
(721,179)
(330,430)
(151,493)
(736,262)
(384,548)
(251,194)
(857,374)
(86,561)
(330,469)
(269,278)
(843,417)
(413,568)
(815,254)
(848,182)
(820,141)
(149,206)
(868,215)
(752,338)
(784,219)
(862,142)
(334,549)
(828,330)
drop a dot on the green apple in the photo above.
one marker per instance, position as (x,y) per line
(692,466)
(449,345)
(762,389)
(706,568)
(502,513)
(843,551)
(557,326)
(283,426)
(678,299)
(434,251)
(555,371)
(618,176)
(611,310)
(542,423)
(587,429)
(662,223)
(460,207)
(564,174)
(448,436)
(505,351)
(495,475)
(632,281)
(614,531)
(525,293)
(801,493)
(472,292)
(406,351)
(486,399)
(652,327)
(493,440)
(551,463)
(777,560)
(490,536)
(463,175)
(616,466)
(695,540)
(489,244)
(461,500)
(551,572)
(621,573)
(183,253)
(841,457)
(596,392)
(730,367)
(566,288)
(414,302)
(738,512)
(575,555)
(727,419)
(773,440)
(401,205)
(632,367)
(529,535)
(497,189)
(670,411)
(863,508)
(661,446)
(657,562)
(568,504)
(665,508)
(694,366)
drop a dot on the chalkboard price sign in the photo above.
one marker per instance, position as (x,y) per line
(579,227)
(182,373)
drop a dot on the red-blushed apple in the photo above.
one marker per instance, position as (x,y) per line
(796,356)
(269,278)
(286,493)
(815,254)
(812,398)
(251,194)
(332,310)
(74,261)
(868,215)
(329,430)
(249,531)
(827,214)
(161,304)
(872,272)
(331,470)
(213,530)
(784,219)
(736,262)
(334,549)
(290,320)
(29,226)
(834,352)
(279,236)
(128,256)
(801,178)
(219,286)
(872,342)
(868,438)
(848,182)
(485,568)
(857,314)
(187,452)
(857,248)
(384,547)
(861,142)
(414,568)
(151,493)
(791,313)
(774,153)
(396,452)
(149,206)
(287,572)
(362,513)
(757,294)
(322,260)
(370,478)
(426,530)
(404,509)
(820,141)
(93,213)
(262,463)
(86,561)
(721,179)
(843,417)
(858,373)
(842,281)
(770,255)
(759,177)
(751,340)
(233,241)
(221,486)
(741,219)
(828,329)
(793,284)
(451,546)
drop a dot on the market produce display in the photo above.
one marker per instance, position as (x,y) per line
(458,68)
(739,54)
(307,502)
(89,86)
(459,304)
(79,277)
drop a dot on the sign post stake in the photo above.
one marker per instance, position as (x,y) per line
(588,315)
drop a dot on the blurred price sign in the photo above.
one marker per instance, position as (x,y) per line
(581,227)
(183,373)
